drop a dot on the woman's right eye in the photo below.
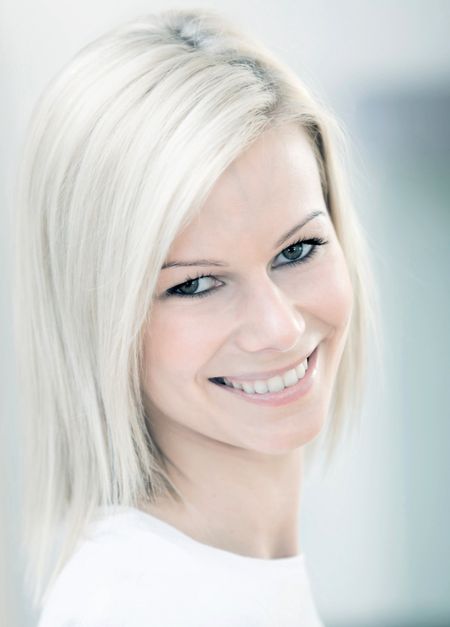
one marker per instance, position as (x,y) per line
(191,287)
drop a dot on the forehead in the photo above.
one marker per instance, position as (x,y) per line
(274,182)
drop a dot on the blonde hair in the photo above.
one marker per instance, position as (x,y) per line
(122,150)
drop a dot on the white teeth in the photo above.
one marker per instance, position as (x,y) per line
(290,378)
(274,384)
(261,387)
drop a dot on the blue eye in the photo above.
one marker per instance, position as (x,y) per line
(189,288)
(294,254)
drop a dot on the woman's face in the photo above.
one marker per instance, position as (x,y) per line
(263,304)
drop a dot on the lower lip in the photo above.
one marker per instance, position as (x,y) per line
(288,395)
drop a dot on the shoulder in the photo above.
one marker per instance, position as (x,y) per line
(120,568)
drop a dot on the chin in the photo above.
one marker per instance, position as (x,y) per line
(291,439)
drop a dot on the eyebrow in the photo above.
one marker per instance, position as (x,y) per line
(215,262)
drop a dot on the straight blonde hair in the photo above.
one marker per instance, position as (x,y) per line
(123,147)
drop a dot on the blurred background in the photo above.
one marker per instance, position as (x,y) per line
(375,530)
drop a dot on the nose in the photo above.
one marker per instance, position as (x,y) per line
(269,320)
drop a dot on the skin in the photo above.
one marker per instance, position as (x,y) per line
(238,464)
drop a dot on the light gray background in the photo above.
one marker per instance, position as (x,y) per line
(375,531)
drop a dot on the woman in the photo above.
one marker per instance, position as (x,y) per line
(193,298)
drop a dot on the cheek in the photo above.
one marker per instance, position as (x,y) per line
(330,292)
(176,345)
(338,293)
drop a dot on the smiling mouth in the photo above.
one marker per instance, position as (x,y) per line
(276,391)
(221,380)
(218,380)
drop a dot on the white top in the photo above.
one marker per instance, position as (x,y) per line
(134,570)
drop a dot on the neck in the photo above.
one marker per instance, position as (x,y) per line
(235,499)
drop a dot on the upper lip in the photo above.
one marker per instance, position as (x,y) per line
(255,376)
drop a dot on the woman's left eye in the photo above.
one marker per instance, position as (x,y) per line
(299,252)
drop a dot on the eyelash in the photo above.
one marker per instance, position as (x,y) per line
(315,241)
